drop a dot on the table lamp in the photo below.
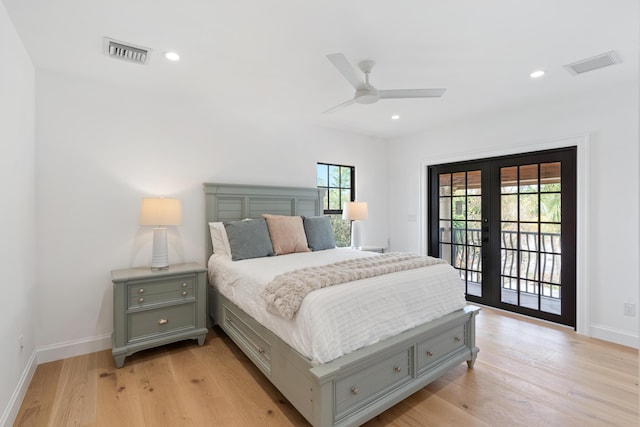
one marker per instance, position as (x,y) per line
(355,211)
(160,212)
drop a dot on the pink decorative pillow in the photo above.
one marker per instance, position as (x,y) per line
(287,234)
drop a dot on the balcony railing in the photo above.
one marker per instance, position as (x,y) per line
(532,259)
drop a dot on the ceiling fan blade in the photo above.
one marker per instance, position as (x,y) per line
(342,64)
(411,93)
(339,106)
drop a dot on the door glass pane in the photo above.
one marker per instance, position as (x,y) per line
(550,207)
(445,252)
(445,231)
(474,208)
(528,207)
(459,184)
(474,283)
(509,180)
(473,182)
(528,179)
(474,233)
(445,207)
(550,177)
(509,207)
(445,184)
(459,256)
(460,207)
(509,235)
(509,264)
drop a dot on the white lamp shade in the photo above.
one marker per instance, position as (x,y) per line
(160,211)
(355,211)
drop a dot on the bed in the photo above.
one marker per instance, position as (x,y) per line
(356,386)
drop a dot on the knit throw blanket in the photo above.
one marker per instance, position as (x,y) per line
(284,294)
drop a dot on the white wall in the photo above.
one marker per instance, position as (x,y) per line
(18,260)
(101,148)
(611,120)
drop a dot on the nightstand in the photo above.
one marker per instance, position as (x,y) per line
(156,307)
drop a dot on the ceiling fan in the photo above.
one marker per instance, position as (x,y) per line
(365,92)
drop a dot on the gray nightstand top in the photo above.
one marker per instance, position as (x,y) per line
(146,272)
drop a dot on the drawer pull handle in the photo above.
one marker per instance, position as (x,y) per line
(397,369)
(141,291)
(163,321)
(184,293)
(457,339)
(140,300)
(429,354)
(354,390)
(184,284)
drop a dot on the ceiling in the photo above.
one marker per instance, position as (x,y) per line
(268,58)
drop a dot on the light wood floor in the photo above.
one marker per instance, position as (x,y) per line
(527,373)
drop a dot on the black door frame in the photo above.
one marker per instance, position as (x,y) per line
(490,209)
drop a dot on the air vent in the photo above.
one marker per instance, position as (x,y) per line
(590,64)
(126,51)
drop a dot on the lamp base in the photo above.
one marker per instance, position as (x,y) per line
(356,237)
(160,254)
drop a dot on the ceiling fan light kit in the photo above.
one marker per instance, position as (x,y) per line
(366,93)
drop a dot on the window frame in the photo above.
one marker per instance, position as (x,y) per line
(340,187)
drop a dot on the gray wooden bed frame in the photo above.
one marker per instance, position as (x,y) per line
(353,388)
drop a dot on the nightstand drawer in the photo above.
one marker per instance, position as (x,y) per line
(143,289)
(145,300)
(161,321)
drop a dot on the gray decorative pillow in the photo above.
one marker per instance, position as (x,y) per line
(319,232)
(248,239)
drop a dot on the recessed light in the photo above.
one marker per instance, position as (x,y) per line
(172,56)
(537,74)
(395,117)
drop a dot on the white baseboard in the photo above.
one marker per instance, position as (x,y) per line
(49,354)
(617,336)
(73,348)
(11,411)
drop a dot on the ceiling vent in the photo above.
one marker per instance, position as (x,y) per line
(126,51)
(590,64)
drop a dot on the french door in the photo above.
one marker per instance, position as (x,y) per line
(508,225)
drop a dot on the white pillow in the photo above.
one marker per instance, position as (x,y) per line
(219,239)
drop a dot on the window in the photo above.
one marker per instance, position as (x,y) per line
(338,181)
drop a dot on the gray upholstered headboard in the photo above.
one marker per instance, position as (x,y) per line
(232,202)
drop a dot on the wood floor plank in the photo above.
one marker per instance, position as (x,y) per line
(37,404)
(527,373)
(117,393)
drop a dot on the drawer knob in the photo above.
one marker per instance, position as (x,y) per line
(261,350)
(141,300)
(184,284)
(397,369)
(163,321)
(429,354)
(457,339)
(354,390)
(184,293)
(141,291)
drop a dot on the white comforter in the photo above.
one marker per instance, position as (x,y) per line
(337,320)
